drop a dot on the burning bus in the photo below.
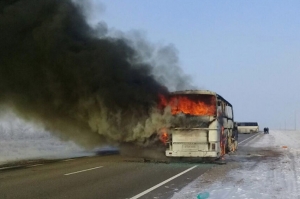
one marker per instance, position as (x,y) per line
(201,125)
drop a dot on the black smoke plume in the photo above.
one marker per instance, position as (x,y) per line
(55,71)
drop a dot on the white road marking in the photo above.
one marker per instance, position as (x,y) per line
(3,168)
(68,160)
(248,138)
(35,165)
(82,170)
(162,183)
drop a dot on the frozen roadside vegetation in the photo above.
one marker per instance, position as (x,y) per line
(20,140)
(266,167)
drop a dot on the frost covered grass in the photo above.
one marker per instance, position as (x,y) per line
(266,167)
(20,140)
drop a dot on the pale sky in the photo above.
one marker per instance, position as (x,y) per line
(246,51)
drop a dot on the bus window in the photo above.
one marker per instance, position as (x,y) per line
(229,112)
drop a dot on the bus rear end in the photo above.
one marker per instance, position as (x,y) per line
(194,128)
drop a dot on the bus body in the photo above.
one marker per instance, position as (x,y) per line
(201,126)
(247,127)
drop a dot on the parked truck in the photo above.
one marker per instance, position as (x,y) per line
(201,125)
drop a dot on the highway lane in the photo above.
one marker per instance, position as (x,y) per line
(108,177)
(246,138)
(111,177)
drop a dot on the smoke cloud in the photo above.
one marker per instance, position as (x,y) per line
(162,58)
(75,80)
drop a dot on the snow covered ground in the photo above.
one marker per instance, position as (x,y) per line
(20,140)
(266,167)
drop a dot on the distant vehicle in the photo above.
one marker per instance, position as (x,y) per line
(201,125)
(248,127)
(266,130)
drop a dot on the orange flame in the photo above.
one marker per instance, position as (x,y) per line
(190,104)
(164,137)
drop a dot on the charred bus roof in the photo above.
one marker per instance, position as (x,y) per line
(200,92)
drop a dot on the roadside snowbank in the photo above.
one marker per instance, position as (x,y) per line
(263,168)
(20,140)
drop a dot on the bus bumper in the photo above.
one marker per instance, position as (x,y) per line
(170,153)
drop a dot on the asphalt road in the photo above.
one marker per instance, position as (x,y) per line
(107,177)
